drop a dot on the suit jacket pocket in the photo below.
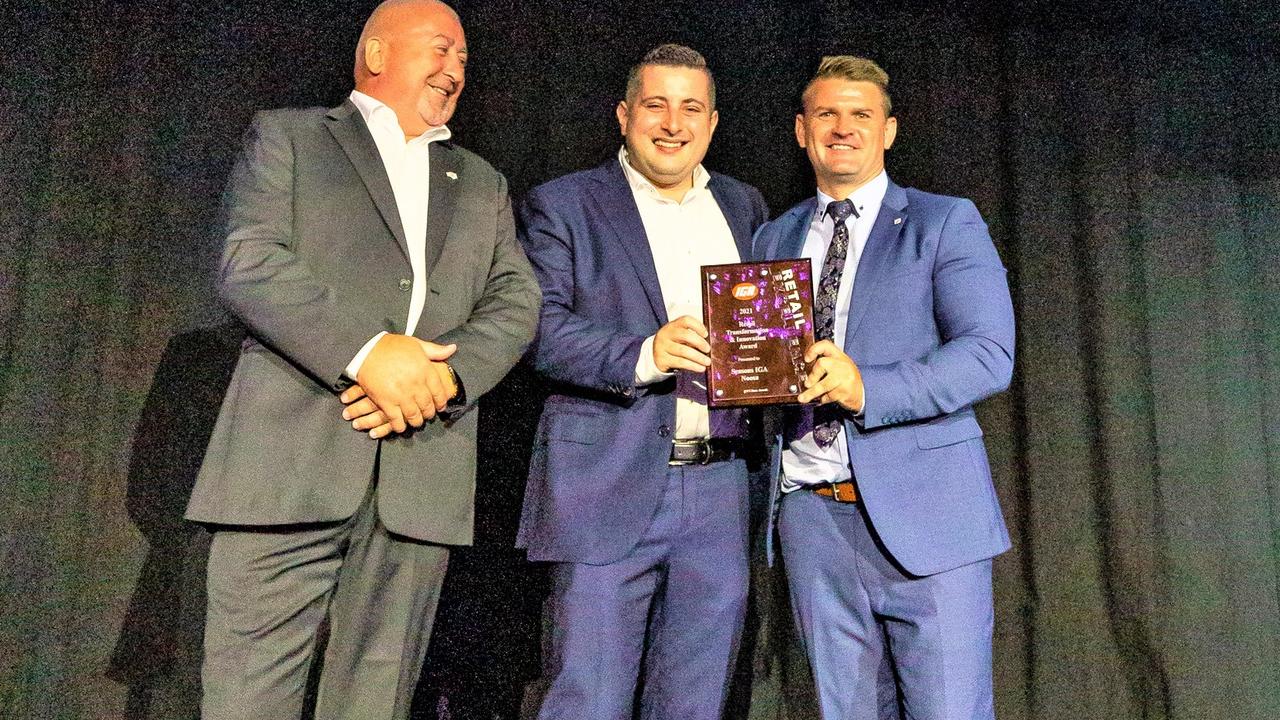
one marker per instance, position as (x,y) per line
(947,430)
(573,427)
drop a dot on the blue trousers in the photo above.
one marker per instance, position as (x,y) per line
(662,624)
(881,643)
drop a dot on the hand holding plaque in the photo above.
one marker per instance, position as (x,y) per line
(759,319)
(833,378)
(681,345)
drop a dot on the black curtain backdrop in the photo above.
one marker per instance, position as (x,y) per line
(1126,155)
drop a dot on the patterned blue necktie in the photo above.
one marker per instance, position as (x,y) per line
(826,418)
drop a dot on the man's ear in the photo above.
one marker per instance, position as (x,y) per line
(623,115)
(375,55)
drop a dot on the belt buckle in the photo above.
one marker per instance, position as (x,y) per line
(702,451)
(842,497)
(705,445)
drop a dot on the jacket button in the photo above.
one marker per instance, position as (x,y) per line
(886,420)
(664,432)
(406,284)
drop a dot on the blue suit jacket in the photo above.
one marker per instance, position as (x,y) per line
(602,445)
(931,329)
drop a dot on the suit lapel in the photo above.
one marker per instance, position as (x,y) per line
(441,200)
(730,422)
(348,129)
(793,231)
(884,236)
(796,231)
(613,195)
(737,214)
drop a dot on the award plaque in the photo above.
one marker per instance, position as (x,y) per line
(760,320)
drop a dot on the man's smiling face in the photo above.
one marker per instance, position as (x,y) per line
(418,61)
(668,124)
(845,132)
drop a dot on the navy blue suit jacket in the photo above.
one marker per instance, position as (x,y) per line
(602,444)
(931,329)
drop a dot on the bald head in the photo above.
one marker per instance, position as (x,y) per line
(412,56)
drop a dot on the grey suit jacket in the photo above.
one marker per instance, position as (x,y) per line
(315,264)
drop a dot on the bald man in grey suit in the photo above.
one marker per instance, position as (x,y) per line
(369,258)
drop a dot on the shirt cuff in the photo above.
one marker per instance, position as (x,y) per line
(353,367)
(647,372)
(861,415)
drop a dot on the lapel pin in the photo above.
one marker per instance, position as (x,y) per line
(897,221)
(451,175)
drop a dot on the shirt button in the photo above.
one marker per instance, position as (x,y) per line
(406,284)
(664,431)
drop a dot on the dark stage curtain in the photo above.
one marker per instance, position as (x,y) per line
(1125,154)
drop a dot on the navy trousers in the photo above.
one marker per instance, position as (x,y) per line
(881,643)
(662,624)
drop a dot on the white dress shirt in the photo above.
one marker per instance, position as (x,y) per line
(683,236)
(408,166)
(804,462)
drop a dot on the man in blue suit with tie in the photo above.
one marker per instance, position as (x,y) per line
(637,495)
(886,513)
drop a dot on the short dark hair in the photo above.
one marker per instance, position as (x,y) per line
(670,55)
(855,69)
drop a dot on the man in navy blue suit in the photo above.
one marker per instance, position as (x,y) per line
(886,513)
(637,494)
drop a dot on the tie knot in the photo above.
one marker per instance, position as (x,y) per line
(840,210)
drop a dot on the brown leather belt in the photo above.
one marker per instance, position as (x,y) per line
(844,492)
(706,451)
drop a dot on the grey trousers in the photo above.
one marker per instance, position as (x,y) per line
(270,589)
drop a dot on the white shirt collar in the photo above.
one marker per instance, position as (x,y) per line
(866,198)
(640,183)
(382,119)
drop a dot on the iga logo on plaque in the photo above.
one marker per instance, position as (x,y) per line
(745,291)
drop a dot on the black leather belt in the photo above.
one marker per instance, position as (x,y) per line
(706,451)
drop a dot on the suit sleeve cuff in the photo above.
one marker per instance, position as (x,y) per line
(353,367)
(881,398)
(647,372)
